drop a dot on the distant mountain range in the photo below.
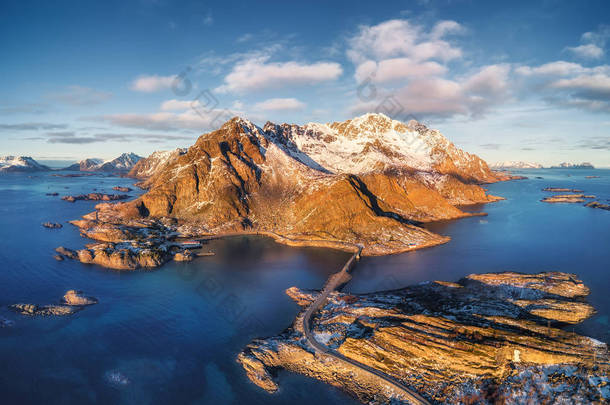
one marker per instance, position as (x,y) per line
(123,163)
(20,164)
(512,164)
(567,165)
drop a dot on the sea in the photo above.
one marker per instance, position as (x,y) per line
(172,335)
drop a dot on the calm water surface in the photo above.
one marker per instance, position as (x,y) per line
(174,333)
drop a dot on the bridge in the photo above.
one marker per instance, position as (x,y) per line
(333,283)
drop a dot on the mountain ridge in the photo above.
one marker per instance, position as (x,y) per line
(242,178)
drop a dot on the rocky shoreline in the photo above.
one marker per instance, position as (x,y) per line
(486,338)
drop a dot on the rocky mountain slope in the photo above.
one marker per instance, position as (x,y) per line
(513,164)
(86,165)
(123,163)
(20,164)
(147,167)
(489,338)
(245,179)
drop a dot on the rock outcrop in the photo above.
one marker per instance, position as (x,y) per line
(292,183)
(597,204)
(122,189)
(562,190)
(95,197)
(76,298)
(567,198)
(73,301)
(52,225)
(489,338)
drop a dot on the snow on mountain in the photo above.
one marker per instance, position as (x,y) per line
(513,164)
(85,165)
(122,163)
(20,164)
(375,142)
(125,162)
(156,161)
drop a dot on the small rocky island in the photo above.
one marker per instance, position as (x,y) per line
(597,204)
(567,198)
(488,338)
(72,302)
(95,197)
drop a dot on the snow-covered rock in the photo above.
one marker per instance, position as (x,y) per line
(20,164)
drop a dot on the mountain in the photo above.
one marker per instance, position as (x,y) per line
(376,142)
(363,181)
(123,163)
(20,164)
(157,161)
(566,165)
(85,165)
(513,164)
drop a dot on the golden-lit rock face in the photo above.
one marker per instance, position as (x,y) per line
(490,338)
(242,178)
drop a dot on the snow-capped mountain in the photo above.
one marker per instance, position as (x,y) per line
(146,167)
(376,142)
(123,163)
(20,164)
(85,165)
(514,164)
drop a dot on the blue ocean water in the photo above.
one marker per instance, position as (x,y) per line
(172,335)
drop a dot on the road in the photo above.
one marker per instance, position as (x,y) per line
(332,284)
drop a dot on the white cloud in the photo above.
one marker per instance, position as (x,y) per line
(177,105)
(396,68)
(591,86)
(401,38)
(152,84)
(588,51)
(280,104)
(570,84)
(593,44)
(471,95)
(256,73)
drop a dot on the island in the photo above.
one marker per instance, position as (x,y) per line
(487,337)
(370,180)
(567,198)
(567,165)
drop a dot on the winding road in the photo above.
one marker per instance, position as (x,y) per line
(334,281)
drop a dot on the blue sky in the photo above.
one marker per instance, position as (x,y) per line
(506,80)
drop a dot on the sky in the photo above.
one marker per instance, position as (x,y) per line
(519,80)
